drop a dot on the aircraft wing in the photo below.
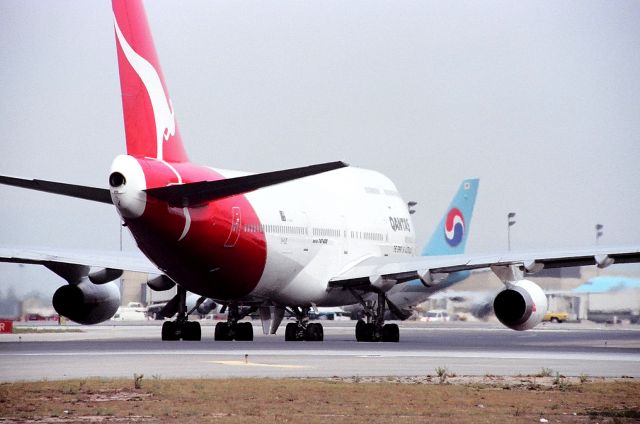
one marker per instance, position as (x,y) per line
(108,260)
(386,271)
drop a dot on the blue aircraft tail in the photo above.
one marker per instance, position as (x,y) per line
(450,236)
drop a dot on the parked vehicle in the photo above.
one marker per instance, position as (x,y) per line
(555,317)
(436,315)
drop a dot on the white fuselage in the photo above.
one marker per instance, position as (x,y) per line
(319,226)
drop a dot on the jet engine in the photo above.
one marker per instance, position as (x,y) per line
(87,303)
(206,307)
(521,305)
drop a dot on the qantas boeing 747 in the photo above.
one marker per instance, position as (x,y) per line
(321,235)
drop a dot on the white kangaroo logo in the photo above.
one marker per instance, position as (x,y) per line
(162,107)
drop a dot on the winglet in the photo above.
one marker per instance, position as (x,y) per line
(450,236)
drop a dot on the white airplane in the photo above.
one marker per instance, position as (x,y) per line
(321,235)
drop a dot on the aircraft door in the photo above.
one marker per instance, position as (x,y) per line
(345,235)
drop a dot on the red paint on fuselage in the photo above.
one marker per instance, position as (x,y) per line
(200,262)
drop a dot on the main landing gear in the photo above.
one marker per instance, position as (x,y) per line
(181,328)
(374,329)
(302,329)
(232,329)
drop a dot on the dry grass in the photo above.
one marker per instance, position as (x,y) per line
(392,400)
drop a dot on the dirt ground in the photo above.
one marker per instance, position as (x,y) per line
(438,398)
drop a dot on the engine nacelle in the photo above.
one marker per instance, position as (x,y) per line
(206,307)
(521,305)
(87,303)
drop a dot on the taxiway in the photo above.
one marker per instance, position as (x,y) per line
(461,348)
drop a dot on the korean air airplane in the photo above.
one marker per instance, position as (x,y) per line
(320,235)
(449,238)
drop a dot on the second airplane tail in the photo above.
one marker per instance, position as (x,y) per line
(450,236)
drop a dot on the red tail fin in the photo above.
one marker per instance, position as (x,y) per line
(149,119)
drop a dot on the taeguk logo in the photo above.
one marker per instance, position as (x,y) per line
(454,227)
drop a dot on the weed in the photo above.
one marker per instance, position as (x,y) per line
(137,380)
(560,381)
(584,378)
(442,374)
(545,372)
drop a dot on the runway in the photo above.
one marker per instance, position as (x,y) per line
(463,348)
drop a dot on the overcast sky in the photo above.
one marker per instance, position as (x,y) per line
(539,99)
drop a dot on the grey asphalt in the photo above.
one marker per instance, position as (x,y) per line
(463,348)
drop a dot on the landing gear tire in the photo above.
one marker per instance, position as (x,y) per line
(176,330)
(241,331)
(169,332)
(290,332)
(244,332)
(374,329)
(391,333)
(191,331)
(364,331)
(181,328)
(221,332)
(314,333)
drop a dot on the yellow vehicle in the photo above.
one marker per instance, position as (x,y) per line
(555,316)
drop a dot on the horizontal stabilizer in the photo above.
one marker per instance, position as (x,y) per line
(81,192)
(191,194)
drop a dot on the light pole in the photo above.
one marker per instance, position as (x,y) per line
(599,233)
(411,205)
(510,222)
